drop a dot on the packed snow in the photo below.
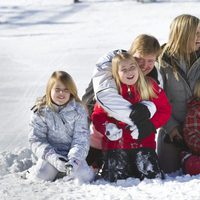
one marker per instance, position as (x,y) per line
(38,37)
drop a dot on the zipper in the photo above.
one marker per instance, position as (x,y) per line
(129,91)
(62,120)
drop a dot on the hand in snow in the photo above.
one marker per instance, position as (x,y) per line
(56,160)
(69,169)
(71,166)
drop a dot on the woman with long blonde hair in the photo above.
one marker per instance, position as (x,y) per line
(180,69)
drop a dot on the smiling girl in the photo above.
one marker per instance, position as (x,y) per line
(129,151)
(59,135)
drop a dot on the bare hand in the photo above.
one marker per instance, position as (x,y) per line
(174,134)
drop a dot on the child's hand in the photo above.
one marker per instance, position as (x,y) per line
(142,111)
(60,164)
(145,128)
(139,113)
(69,169)
(57,161)
(71,166)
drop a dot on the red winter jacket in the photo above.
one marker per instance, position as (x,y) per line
(191,130)
(100,118)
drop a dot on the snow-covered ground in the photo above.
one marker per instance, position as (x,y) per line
(40,36)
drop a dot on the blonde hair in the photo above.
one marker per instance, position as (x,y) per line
(143,84)
(197,89)
(182,31)
(66,80)
(145,45)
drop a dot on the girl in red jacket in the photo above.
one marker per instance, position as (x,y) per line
(191,134)
(130,151)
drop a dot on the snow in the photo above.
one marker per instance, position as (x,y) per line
(38,37)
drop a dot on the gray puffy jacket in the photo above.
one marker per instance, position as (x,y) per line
(64,131)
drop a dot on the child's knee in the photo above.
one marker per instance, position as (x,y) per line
(43,171)
(191,164)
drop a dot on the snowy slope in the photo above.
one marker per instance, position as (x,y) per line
(40,36)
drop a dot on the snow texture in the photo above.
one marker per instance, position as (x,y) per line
(38,37)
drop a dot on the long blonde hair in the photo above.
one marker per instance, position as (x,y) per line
(66,80)
(145,45)
(143,84)
(182,31)
(197,89)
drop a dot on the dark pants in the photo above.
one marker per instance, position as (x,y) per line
(121,164)
(95,158)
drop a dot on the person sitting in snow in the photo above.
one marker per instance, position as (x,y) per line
(191,135)
(180,68)
(59,135)
(145,48)
(129,151)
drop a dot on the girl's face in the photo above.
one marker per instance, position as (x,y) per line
(128,72)
(60,94)
(197,38)
(146,63)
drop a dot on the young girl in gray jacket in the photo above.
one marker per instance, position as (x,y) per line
(59,135)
